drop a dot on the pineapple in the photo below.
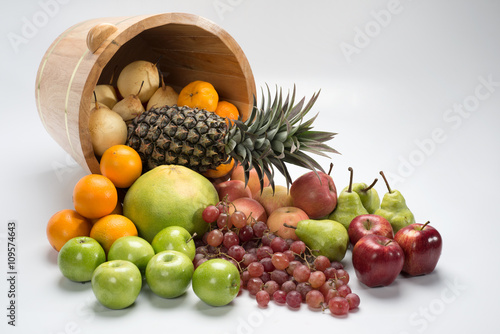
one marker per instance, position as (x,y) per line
(275,134)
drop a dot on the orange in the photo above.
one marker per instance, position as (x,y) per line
(199,94)
(121,164)
(110,228)
(94,196)
(227,109)
(64,225)
(220,171)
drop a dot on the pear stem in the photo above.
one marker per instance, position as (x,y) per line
(192,237)
(290,226)
(349,190)
(386,183)
(370,186)
(140,88)
(95,100)
(331,167)
(423,226)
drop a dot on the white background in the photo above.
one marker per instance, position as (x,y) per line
(387,100)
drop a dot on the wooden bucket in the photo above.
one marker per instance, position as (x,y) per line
(189,48)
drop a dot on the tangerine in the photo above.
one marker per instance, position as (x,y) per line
(220,171)
(122,165)
(94,196)
(227,110)
(199,94)
(110,228)
(65,225)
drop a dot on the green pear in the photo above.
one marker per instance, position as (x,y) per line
(324,237)
(349,206)
(368,195)
(394,208)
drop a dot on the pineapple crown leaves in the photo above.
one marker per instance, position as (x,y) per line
(276,134)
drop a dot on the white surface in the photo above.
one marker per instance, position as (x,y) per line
(392,95)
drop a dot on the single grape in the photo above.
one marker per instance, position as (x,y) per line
(267,238)
(259,228)
(303,288)
(198,256)
(267,262)
(353,300)
(263,252)
(338,306)
(270,287)
(201,250)
(338,283)
(293,299)
(245,233)
(251,249)
(316,279)
(321,263)
(288,286)
(330,273)
(279,296)
(230,239)
(344,290)
(279,276)
(343,275)
(255,269)
(298,247)
(248,258)
(265,277)
(291,266)
(331,294)
(223,220)
(262,297)
(210,214)
(328,285)
(254,285)
(301,273)
(245,277)
(215,237)
(238,219)
(336,265)
(315,299)
(278,244)
(236,252)
(280,261)
(200,261)
(290,255)
(223,207)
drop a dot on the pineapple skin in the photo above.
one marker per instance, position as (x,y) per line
(173,135)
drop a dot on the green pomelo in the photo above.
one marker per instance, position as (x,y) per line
(169,195)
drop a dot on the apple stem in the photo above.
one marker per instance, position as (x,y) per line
(290,226)
(331,167)
(192,237)
(423,226)
(350,180)
(370,186)
(386,183)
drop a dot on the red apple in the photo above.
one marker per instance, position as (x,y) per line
(285,215)
(377,260)
(251,207)
(272,201)
(422,246)
(369,224)
(233,189)
(238,173)
(316,196)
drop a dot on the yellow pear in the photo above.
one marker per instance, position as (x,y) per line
(106,94)
(164,96)
(107,128)
(135,74)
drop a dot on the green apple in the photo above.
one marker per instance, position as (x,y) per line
(79,257)
(134,249)
(216,282)
(116,284)
(169,273)
(174,238)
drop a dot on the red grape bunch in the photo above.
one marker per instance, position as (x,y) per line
(271,267)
